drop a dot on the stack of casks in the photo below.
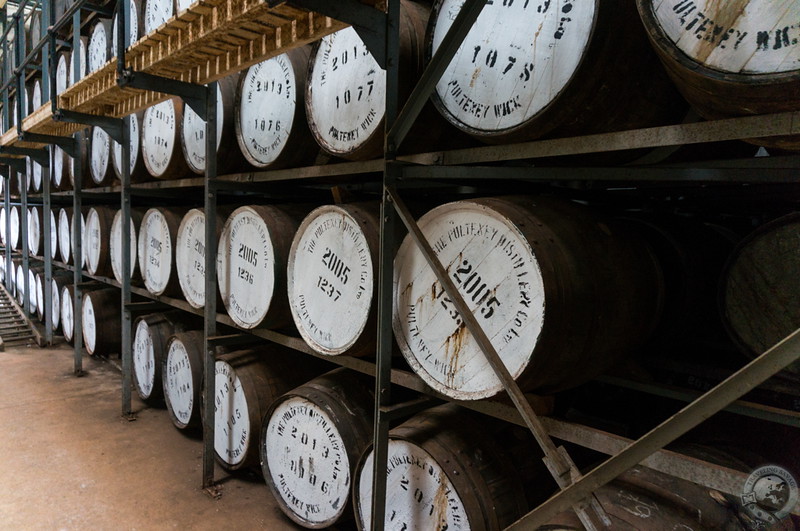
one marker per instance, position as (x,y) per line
(564,291)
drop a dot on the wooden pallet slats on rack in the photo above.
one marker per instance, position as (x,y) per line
(209,40)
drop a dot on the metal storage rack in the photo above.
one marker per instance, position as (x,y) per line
(244,33)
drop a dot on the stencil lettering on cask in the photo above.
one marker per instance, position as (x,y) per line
(98,48)
(144,358)
(94,240)
(190,256)
(232,423)
(245,267)
(155,251)
(496,272)
(116,154)
(194,134)
(422,496)
(179,390)
(515,60)
(156,13)
(738,36)
(61,74)
(133,26)
(307,460)
(64,245)
(89,324)
(266,110)
(158,137)
(347,92)
(101,145)
(331,280)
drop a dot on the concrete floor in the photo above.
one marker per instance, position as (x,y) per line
(69,461)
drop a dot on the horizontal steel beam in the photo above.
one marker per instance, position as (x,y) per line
(194,95)
(112,126)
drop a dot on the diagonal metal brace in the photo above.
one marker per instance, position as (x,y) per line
(557,460)
(39,155)
(368,22)
(67,143)
(112,126)
(735,386)
(433,72)
(193,95)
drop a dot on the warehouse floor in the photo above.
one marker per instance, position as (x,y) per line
(69,461)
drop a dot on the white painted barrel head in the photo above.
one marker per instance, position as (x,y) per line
(64,238)
(193,135)
(62,72)
(116,152)
(265,115)
(39,292)
(133,26)
(190,256)
(156,13)
(95,238)
(116,246)
(155,251)
(421,494)
(330,280)
(36,97)
(34,232)
(31,290)
(14,222)
(144,359)
(82,62)
(53,235)
(99,155)
(56,304)
(183,5)
(495,270)
(89,324)
(58,168)
(159,134)
(749,37)
(178,384)
(232,432)
(517,58)
(36,177)
(3,230)
(82,238)
(345,94)
(20,281)
(67,318)
(245,267)
(307,460)
(99,46)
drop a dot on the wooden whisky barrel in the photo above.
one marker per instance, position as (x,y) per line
(75,75)
(67,314)
(251,264)
(116,243)
(100,167)
(20,283)
(97,241)
(642,498)
(3,225)
(182,379)
(444,470)
(247,382)
(150,340)
(83,139)
(134,24)
(63,65)
(311,441)
(35,33)
(760,290)
(271,125)
(14,223)
(64,237)
(39,293)
(156,13)
(34,271)
(190,255)
(193,131)
(60,281)
(160,140)
(102,321)
(331,274)
(562,293)
(730,58)
(99,50)
(138,170)
(156,247)
(527,69)
(35,229)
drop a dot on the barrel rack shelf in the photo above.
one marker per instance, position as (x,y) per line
(212,38)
